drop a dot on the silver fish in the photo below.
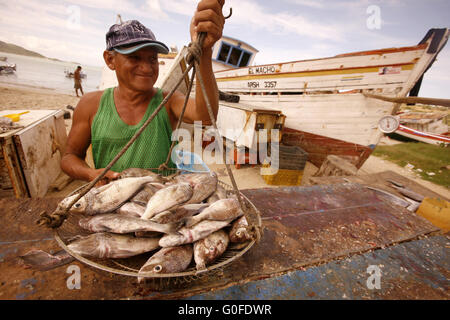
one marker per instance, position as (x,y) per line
(179,214)
(106,198)
(224,209)
(203,184)
(239,232)
(107,245)
(167,198)
(168,260)
(117,223)
(143,196)
(138,172)
(219,194)
(210,248)
(131,209)
(189,235)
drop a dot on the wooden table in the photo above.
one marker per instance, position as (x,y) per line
(305,228)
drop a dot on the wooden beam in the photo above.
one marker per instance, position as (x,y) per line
(432,101)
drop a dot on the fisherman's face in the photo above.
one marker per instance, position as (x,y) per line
(138,70)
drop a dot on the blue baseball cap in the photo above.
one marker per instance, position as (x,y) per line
(130,36)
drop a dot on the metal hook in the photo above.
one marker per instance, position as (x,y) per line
(229,15)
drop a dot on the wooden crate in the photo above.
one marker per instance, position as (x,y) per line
(32,155)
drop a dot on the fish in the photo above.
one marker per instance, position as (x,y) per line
(168,260)
(179,214)
(107,245)
(238,232)
(187,235)
(167,198)
(43,261)
(219,194)
(143,196)
(131,209)
(147,234)
(106,198)
(138,172)
(224,209)
(116,223)
(203,184)
(208,249)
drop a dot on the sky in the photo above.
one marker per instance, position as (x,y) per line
(282,30)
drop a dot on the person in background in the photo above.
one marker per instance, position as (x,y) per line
(108,119)
(77,80)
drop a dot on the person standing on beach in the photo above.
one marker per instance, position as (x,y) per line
(108,119)
(77,80)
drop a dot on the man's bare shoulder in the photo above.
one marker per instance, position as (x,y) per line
(89,102)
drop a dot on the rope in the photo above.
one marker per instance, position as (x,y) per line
(164,166)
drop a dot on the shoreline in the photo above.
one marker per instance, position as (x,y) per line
(31,97)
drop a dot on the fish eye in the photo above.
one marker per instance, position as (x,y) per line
(157,268)
(238,233)
(77,205)
(211,249)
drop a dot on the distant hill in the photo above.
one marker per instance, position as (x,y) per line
(12,48)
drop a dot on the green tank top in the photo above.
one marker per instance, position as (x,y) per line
(109,134)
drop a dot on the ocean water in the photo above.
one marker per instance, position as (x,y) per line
(43,73)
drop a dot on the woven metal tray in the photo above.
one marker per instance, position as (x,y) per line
(130,266)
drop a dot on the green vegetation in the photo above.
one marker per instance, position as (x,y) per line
(426,159)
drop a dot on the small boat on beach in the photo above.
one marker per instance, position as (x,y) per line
(431,138)
(332,105)
(69,74)
(7,68)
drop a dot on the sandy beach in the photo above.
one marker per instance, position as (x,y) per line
(12,97)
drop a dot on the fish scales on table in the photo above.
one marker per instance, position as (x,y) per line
(187,235)
(168,260)
(224,209)
(208,249)
(122,224)
(107,245)
(43,261)
(167,198)
(106,198)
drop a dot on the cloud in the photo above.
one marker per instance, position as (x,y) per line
(268,19)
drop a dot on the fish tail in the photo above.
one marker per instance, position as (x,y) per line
(173,227)
(190,221)
(201,266)
(147,214)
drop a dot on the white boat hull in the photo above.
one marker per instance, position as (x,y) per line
(426,137)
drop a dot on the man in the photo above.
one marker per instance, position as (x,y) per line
(77,80)
(110,118)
